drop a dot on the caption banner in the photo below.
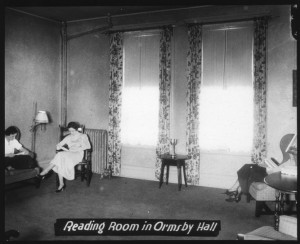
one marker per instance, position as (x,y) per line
(122,227)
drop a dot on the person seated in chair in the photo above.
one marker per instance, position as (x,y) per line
(16,155)
(247,174)
(71,153)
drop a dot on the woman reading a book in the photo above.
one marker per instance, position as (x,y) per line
(71,153)
(17,156)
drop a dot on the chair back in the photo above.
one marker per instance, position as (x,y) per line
(284,142)
(64,131)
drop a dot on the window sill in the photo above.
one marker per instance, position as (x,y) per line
(221,152)
(138,146)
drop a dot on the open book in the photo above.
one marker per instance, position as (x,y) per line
(285,170)
(65,146)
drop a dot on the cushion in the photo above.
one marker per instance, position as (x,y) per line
(268,232)
(262,192)
(17,175)
(288,225)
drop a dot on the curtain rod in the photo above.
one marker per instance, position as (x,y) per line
(231,20)
(137,29)
(187,23)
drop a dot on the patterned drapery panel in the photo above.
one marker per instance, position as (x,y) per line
(115,102)
(194,64)
(260,109)
(163,145)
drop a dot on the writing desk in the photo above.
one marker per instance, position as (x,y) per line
(284,184)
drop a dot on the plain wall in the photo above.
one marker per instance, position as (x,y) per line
(32,74)
(88,80)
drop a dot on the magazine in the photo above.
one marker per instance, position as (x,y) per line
(271,163)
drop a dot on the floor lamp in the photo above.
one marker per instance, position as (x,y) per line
(41,119)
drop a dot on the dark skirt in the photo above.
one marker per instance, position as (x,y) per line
(250,173)
(21,162)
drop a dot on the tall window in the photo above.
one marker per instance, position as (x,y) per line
(140,96)
(226,97)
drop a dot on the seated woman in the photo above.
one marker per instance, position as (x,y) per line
(72,147)
(246,175)
(16,155)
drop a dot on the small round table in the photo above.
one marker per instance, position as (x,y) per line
(169,160)
(284,184)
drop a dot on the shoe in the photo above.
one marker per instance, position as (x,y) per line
(238,197)
(41,177)
(229,193)
(230,199)
(61,189)
(234,197)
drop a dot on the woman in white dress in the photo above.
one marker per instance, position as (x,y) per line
(72,147)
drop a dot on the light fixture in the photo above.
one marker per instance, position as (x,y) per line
(42,119)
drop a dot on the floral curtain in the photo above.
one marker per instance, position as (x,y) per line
(163,145)
(115,101)
(260,109)
(194,64)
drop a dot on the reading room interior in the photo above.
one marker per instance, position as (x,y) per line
(183,112)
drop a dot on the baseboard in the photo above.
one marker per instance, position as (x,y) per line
(207,180)
(143,173)
(217,181)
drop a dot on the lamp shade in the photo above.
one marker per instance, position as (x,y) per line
(41,117)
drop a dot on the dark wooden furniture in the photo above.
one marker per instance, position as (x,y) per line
(169,160)
(11,233)
(284,184)
(84,168)
(22,175)
(259,191)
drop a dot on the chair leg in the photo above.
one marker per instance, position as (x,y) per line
(248,197)
(262,208)
(82,172)
(37,182)
(258,208)
(88,175)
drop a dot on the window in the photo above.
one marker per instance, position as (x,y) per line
(226,96)
(140,96)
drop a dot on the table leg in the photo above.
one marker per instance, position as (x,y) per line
(167,176)
(282,202)
(179,176)
(184,175)
(276,215)
(161,173)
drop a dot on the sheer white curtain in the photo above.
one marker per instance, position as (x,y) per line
(226,98)
(140,101)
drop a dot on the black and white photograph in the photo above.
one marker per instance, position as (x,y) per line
(157,121)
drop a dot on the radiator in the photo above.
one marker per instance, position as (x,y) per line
(98,140)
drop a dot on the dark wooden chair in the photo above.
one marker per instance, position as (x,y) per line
(84,168)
